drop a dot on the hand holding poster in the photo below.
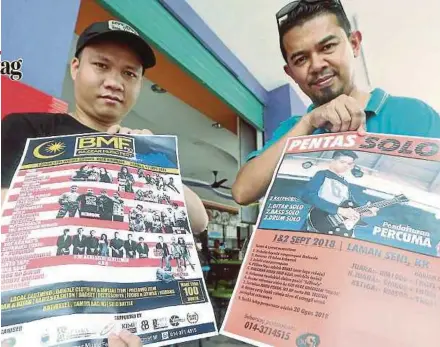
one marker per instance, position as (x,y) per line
(95,239)
(347,249)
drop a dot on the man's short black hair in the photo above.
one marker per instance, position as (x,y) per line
(344,153)
(307,11)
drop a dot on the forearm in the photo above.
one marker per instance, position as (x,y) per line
(4,193)
(254,177)
(197,215)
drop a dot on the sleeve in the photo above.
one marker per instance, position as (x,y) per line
(80,201)
(15,131)
(434,122)
(311,197)
(414,117)
(351,196)
(61,198)
(282,130)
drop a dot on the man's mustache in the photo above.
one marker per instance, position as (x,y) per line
(323,74)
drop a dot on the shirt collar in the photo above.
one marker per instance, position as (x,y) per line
(377,101)
(375,104)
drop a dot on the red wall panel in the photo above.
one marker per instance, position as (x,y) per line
(19,97)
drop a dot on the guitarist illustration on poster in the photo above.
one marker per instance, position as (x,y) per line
(334,209)
(329,193)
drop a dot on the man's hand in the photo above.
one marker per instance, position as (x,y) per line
(124,339)
(349,213)
(372,211)
(341,114)
(117,129)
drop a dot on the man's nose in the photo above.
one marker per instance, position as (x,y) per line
(113,80)
(318,63)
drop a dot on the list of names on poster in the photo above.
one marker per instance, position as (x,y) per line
(18,249)
(424,289)
(282,278)
(286,272)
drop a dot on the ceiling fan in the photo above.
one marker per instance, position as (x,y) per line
(219,184)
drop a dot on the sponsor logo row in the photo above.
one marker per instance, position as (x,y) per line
(65,333)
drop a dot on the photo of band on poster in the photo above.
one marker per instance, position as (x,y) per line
(155,207)
(356,194)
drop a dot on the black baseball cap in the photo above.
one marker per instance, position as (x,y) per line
(113,30)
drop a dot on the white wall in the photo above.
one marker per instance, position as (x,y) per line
(401,41)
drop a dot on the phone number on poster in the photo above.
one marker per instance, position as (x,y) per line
(267,330)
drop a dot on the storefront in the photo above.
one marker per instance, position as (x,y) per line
(198,90)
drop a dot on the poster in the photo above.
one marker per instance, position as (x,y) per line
(95,239)
(347,248)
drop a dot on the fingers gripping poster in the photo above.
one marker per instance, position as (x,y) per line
(347,248)
(96,238)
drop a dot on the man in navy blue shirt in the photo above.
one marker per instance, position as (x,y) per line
(327,190)
(320,49)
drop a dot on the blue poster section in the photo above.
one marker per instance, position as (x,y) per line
(149,150)
(398,225)
(53,300)
(283,210)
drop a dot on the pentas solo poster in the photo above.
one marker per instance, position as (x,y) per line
(347,247)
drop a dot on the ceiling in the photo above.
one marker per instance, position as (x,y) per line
(202,147)
(400,40)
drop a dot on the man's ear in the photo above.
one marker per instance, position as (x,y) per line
(74,67)
(288,71)
(355,41)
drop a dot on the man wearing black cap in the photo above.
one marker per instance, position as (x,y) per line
(107,72)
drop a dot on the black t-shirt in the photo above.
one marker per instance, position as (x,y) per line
(18,127)
(88,203)
(105,204)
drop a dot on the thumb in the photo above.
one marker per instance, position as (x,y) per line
(114,129)
(362,130)
(115,341)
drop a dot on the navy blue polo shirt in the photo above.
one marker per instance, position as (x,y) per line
(386,114)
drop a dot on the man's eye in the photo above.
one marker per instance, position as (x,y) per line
(130,74)
(328,47)
(101,65)
(300,60)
